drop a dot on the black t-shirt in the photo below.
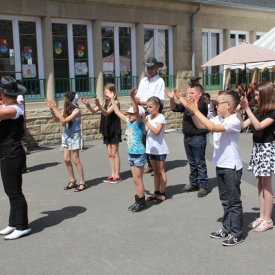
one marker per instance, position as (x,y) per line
(267,134)
(188,126)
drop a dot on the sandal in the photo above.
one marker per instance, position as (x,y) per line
(154,197)
(79,189)
(70,185)
(161,197)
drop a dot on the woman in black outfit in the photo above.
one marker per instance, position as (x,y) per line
(12,156)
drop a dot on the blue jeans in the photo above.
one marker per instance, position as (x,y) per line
(229,181)
(195,151)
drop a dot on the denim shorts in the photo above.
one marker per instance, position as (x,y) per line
(72,141)
(136,160)
(157,157)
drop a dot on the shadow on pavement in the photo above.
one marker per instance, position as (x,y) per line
(172,164)
(42,166)
(55,217)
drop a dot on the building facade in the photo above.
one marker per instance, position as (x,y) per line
(55,46)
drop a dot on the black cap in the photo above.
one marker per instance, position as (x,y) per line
(152,61)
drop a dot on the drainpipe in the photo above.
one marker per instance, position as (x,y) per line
(192,19)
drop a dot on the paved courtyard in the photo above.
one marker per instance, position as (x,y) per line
(92,232)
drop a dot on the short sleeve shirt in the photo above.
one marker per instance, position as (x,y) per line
(267,134)
(155,144)
(226,149)
(153,87)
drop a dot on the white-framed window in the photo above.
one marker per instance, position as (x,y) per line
(158,42)
(119,54)
(237,37)
(259,35)
(72,56)
(212,45)
(21,53)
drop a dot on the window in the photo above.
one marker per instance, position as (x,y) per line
(211,46)
(118,59)
(158,43)
(7,61)
(260,35)
(72,44)
(21,53)
(237,37)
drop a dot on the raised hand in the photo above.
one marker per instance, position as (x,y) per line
(50,103)
(169,93)
(109,94)
(133,93)
(97,103)
(244,103)
(178,93)
(191,106)
(85,100)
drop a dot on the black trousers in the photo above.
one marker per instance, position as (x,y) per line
(11,173)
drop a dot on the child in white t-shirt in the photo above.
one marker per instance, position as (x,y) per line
(226,128)
(156,146)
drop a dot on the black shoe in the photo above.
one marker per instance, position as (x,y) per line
(231,240)
(202,192)
(218,234)
(141,205)
(131,207)
(190,188)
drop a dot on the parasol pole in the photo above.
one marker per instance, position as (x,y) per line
(245,78)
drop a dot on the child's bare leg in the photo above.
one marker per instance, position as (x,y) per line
(116,159)
(79,167)
(156,175)
(268,197)
(137,173)
(110,156)
(67,160)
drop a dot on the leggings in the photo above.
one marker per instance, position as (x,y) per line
(11,173)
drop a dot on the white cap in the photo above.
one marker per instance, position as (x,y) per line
(140,110)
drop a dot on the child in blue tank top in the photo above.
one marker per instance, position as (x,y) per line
(136,150)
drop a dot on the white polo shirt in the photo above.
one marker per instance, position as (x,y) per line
(226,149)
(153,87)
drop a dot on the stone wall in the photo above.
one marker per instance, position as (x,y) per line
(42,130)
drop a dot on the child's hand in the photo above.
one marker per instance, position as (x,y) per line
(85,100)
(244,103)
(133,93)
(169,93)
(109,94)
(178,94)
(50,104)
(145,120)
(192,106)
(97,103)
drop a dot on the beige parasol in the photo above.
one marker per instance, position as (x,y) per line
(243,53)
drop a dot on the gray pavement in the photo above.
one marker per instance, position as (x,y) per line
(92,232)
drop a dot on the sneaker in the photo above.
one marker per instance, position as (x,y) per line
(108,179)
(218,234)
(148,170)
(265,225)
(255,223)
(190,188)
(115,180)
(202,192)
(231,240)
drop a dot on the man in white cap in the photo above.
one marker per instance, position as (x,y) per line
(151,85)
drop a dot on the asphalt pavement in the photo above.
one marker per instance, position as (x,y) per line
(92,232)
